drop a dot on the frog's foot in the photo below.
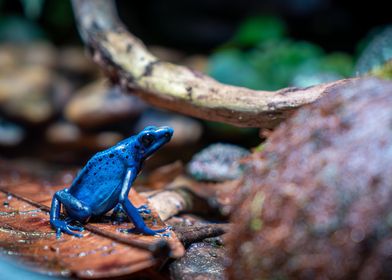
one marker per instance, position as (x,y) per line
(64,226)
(163,234)
(120,216)
(148,231)
(144,209)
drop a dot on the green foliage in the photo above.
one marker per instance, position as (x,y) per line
(32,8)
(232,66)
(376,56)
(326,68)
(259,148)
(19,30)
(384,71)
(61,15)
(56,16)
(272,61)
(338,62)
(277,62)
(255,30)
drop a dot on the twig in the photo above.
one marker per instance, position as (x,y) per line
(191,234)
(126,61)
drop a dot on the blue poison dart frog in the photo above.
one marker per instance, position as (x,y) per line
(104,183)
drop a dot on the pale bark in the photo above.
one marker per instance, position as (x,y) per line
(127,61)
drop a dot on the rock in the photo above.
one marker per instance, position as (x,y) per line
(33,54)
(10,134)
(63,133)
(76,61)
(70,135)
(316,202)
(107,139)
(38,53)
(25,93)
(164,175)
(28,82)
(217,162)
(30,89)
(98,104)
(7,57)
(186,130)
(201,261)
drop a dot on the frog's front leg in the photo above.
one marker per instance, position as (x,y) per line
(73,206)
(131,210)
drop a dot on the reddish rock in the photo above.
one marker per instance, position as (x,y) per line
(317,202)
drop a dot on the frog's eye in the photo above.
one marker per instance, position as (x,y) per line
(147,139)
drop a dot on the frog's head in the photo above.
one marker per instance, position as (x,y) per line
(151,138)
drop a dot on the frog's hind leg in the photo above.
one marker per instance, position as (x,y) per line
(144,209)
(131,210)
(75,208)
(137,220)
(119,214)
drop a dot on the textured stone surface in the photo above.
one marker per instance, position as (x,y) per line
(10,134)
(217,162)
(25,93)
(316,203)
(201,261)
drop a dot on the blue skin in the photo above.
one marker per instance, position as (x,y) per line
(104,183)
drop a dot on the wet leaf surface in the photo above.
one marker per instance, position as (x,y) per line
(103,252)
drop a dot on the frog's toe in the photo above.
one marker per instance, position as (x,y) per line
(58,233)
(144,209)
(77,228)
(160,230)
(70,232)
(156,232)
(63,226)
(163,234)
(163,229)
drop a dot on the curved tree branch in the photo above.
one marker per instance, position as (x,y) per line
(126,60)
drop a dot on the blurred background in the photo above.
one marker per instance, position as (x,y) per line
(56,106)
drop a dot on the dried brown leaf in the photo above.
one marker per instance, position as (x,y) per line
(104,251)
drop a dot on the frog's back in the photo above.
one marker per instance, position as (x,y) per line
(98,184)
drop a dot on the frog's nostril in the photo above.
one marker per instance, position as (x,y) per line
(166,135)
